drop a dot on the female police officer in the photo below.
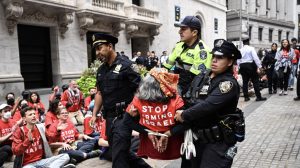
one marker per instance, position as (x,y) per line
(207,118)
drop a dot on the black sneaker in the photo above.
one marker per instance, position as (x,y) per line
(297,98)
(70,165)
(247,99)
(261,99)
(275,91)
(93,154)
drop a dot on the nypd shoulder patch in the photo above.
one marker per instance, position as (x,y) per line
(226,86)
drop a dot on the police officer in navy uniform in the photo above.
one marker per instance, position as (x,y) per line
(209,117)
(116,83)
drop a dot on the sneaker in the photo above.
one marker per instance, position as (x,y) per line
(274,91)
(297,98)
(247,99)
(291,88)
(261,99)
(281,93)
(285,93)
(95,153)
(70,165)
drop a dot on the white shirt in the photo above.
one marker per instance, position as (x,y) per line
(248,56)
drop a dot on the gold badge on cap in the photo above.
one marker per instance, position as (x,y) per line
(226,86)
(219,43)
(118,68)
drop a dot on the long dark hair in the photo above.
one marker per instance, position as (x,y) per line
(53,106)
(37,95)
(288,47)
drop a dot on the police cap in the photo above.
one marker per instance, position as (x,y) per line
(226,49)
(189,21)
(100,38)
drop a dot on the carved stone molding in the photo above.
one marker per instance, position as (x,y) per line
(85,21)
(117,27)
(64,20)
(130,30)
(38,16)
(13,11)
(153,32)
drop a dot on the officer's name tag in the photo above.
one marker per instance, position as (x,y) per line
(204,90)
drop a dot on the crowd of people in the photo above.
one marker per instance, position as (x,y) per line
(185,106)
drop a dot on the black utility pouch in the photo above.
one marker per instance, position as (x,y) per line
(209,135)
(216,133)
(228,133)
(201,136)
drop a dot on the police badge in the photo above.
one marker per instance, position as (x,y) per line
(118,68)
(225,87)
(219,43)
(203,54)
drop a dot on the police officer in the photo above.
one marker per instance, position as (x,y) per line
(190,56)
(208,118)
(116,83)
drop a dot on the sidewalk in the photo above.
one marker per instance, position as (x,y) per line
(272,135)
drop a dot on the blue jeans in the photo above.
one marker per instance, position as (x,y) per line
(52,162)
(292,75)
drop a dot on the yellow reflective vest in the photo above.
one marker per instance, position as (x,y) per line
(196,59)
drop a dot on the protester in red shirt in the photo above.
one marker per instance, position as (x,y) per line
(35,102)
(16,116)
(31,147)
(7,127)
(53,110)
(63,135)
(72,99)
(156,103)
(88,99)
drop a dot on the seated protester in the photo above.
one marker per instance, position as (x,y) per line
(63,136)
(156,103)
(31,146)
(25,94)
(55,94)
(92,130)
(17,115)
(51,115)
(7,127)
(88,99)
(35,102)
(72,99)
(10,99)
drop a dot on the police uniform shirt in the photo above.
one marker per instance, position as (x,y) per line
(117,83)
(222,98)
(248,56)
(196,58)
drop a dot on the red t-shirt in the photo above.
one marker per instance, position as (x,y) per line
(296,59)
(5,129)
(35,151)
(103,130)
(75,100)
(87,102)
(87,129)
(50,118)
(37,106)
(68,135)
(157,116)
(17,116)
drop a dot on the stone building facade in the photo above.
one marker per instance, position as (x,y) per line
(48,42)
(265,21)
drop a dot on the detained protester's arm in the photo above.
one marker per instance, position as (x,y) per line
(213,104)
(97,107)
(20,142)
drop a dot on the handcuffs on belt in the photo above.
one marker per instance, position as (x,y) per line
(187,146)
